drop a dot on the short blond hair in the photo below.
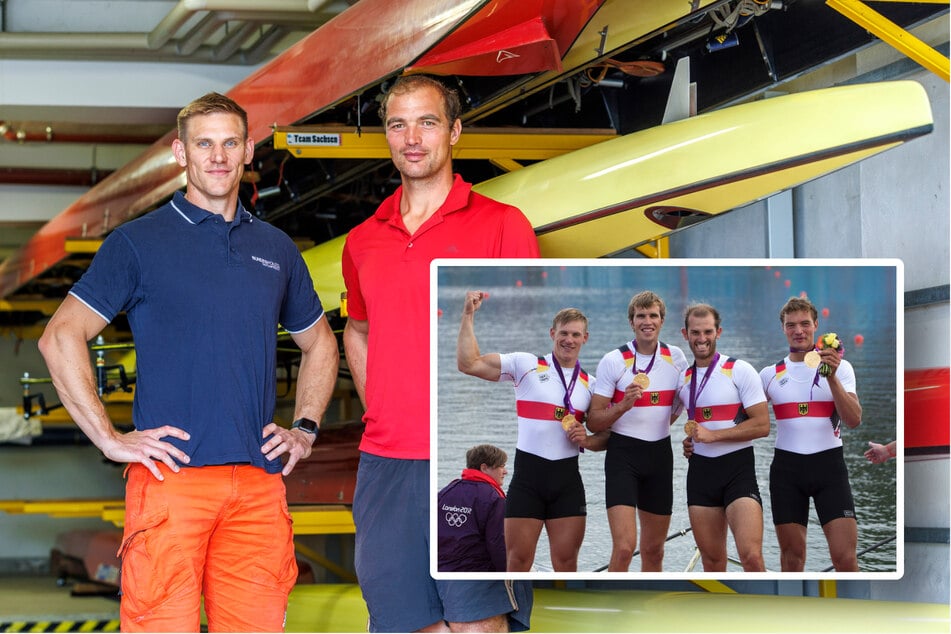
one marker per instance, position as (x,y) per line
(568,315)
(211,103)
(646,299)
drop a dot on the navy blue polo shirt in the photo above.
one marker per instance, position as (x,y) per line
(204,298)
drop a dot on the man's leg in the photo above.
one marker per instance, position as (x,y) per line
(163,549)
(391,513)
(251,567)
(497,623)
(842,535)
(521,539)
(623,523)
(709,531)
(486,606)
(745,518)
(792,546)
(835,507)
(653,536)
(565,535)
(656,502)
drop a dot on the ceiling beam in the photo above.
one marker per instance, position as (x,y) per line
(894,35)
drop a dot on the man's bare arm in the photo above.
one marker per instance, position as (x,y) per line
(64,348)
(316,379)
(468,357)
(356,336)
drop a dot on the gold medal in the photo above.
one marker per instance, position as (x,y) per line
(568,421)
(690,428)
(812,359)
(642,379)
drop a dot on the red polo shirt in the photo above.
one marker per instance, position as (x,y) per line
(386,271)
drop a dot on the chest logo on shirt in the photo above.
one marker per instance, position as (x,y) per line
(560,413)
(803,409)
(266,263)
(543,377)
(707,413)
(655,398)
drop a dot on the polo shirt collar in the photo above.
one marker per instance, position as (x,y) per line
(457,199)
(196,215)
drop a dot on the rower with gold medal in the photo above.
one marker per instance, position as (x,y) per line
(690,427)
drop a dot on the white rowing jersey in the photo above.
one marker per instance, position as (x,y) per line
(806,420)
(540,403)
(733,385)
(649,418)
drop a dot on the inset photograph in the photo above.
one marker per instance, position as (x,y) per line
(601,419)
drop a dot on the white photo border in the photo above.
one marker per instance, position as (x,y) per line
(785,263)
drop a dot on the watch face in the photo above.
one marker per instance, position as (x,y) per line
(306,424)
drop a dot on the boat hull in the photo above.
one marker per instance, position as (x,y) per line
(609,196)
(340,608)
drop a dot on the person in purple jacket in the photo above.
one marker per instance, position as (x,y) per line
(472,515)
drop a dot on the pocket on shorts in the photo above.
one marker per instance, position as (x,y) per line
(287,571)
(143,585)
(146,562)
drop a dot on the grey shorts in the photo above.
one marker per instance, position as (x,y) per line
(391,513)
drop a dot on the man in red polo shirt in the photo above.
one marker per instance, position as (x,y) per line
(433,214)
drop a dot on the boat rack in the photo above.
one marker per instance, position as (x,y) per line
(309,519)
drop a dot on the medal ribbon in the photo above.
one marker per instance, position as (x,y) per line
(694,391)
(650,365)
(570,386)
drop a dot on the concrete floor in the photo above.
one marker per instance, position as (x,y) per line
(29,600)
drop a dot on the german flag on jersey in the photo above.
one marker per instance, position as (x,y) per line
(727,368)
(583,377)
(627,354)
(781,369)
(665,353)
(688,374)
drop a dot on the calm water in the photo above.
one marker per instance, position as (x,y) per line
(517,316)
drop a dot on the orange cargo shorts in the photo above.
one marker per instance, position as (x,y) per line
(223,533)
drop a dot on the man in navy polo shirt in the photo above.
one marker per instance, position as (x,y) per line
(205,286)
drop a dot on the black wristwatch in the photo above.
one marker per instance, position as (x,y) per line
(306,424)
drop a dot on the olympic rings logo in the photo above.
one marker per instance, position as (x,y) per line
(456,519)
